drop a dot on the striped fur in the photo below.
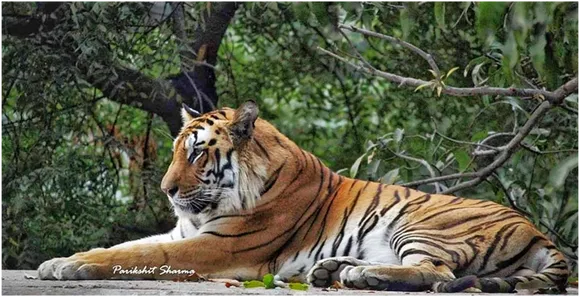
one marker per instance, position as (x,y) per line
(256,203)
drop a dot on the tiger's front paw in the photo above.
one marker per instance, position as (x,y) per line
(81,266)
(325,272)
(360,278)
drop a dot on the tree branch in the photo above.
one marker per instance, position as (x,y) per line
(505,152)
(196,82)
(131,87)
(510,148)
(398,41)
(439,178)
(26,25)
(556,97)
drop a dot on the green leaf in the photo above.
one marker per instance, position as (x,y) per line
(519,22)
(355,166)
(298,286)
(451,71)
(463,159)
(390,177)
(440,14)
(301,10)
(373,167)
(422,86)
(399,134)
(268,281)
(406,23)
(481,135)
(510,56)
(559,173)
(510,50)
(538,53)
(253,284)
(489,17)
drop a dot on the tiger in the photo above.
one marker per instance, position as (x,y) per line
(249,202)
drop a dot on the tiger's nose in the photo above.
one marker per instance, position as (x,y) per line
(171,191)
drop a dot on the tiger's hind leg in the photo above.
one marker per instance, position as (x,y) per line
(415,277)
(326,271)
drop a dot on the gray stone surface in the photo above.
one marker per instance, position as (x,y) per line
(14,282)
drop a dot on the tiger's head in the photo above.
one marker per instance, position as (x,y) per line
(211,171)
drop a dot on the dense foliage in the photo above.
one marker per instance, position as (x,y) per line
(80,170)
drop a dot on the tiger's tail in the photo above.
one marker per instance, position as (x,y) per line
(553,274)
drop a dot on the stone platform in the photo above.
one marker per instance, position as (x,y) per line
(16,283)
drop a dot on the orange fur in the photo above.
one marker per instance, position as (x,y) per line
(306,213)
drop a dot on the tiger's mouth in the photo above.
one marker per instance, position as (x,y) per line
(195,201)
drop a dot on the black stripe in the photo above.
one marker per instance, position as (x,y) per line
(361,237)
(181,230)
(234,235)
(405,232)
(272,180)
(318,255)
(460,208)
(386,208)
(372,205)
(503,264)
(416,252)
(262,149)
(454,255)
(287,230)
(296,256)
(344,221)
(317,213)
(407,193)
(227,216)
(280,142)
(347,247)
(330,191)
(507,237)
(420,199)
(275,255)
(493,246)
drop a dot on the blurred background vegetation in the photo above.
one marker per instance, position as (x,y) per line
(86,137)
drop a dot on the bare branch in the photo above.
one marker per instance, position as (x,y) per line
(557,96)
(493,148)
(398,41)
(539,152)
(569,109)
(422,162)
(359,56)
(440,178)
(510,148)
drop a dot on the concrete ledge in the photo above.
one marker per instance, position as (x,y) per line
(15,283)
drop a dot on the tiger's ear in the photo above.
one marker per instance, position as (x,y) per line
(242,125)
(188,113)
